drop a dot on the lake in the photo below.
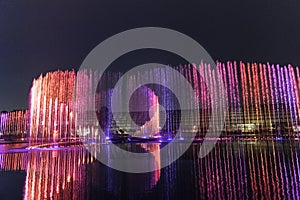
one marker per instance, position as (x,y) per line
(232,170)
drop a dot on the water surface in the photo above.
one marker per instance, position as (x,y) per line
(234,169)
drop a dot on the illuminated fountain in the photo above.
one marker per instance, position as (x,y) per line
(51,116)
(270,97)
(260,98)
(14,124)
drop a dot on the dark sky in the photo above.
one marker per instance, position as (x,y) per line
(39,36)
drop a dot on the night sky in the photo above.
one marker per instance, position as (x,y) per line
(40,36)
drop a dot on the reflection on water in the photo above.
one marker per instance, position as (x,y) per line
(56,174)
(239,170)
